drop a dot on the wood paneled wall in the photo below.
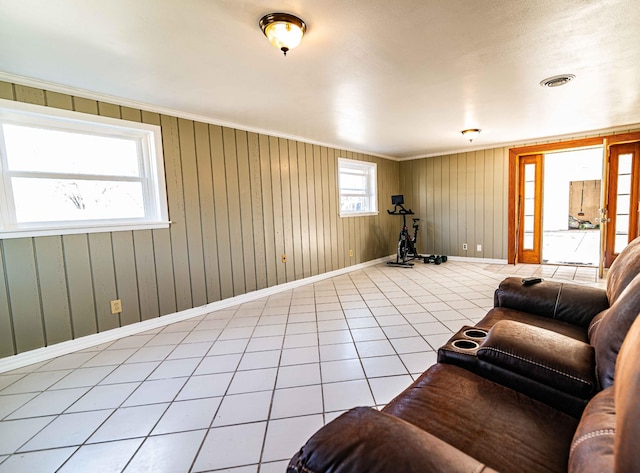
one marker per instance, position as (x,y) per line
(237,200)
(459,198)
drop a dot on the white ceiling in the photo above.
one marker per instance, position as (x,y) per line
(395,78)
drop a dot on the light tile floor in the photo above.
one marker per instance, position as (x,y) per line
(241,389)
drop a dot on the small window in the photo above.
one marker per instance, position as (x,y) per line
(357,183)
(68,172)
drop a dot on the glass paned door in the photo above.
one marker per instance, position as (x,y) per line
(530,209)
(622,201)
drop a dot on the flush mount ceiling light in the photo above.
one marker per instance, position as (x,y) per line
(557,81)
(470,133)
(284,31)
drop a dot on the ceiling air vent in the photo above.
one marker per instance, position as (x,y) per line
(557,81)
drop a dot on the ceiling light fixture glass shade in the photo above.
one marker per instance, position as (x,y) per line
(284,31)
(471,133)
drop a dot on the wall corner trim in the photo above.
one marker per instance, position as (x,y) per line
(47,353)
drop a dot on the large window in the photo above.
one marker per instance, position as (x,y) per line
(357,183)
(67,172)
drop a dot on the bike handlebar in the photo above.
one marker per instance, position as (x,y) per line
(402,211)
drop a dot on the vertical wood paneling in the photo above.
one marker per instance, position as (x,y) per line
(221,211)
(428,211)
(326,219)
(454,207)
(233,206)
(502,191)
(126,278)
(295,210)
(276,195)
(312,206)
(465,198)
(22,282)
(304,210)
(446,246)
(193,223)
(53,289)
(246,214)
(267,211)
(104,279)
(334,218)
(130,114)
(29,95)
(207,211)
(438,238)
(257,212)
(7,347)
(80,285)
(163,256)
(287,218)
(469,194)
(6,91)
(83,105)
(108,110)
(175,194)
(488,217)
(146,274)
(57,100)
(478,201)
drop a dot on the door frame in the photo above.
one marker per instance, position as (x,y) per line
(530,255)
(611,202)
(514,155)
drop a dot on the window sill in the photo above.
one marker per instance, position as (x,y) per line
(358,214)
(71,230)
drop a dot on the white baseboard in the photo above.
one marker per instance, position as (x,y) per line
(468,259)
(46,353)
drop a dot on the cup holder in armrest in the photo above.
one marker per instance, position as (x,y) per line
(462,348)
(465,344)
(475,333)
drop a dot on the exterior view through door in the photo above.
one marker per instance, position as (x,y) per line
(574,202)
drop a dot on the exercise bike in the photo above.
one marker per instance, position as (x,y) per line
(407,243)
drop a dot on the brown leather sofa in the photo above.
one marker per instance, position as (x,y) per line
(452,420)
(563,351)
(566,308)
(513,398)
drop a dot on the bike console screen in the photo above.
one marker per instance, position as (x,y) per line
(397,201)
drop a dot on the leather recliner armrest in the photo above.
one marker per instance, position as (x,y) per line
(364,439)
(547,357)
(570,303)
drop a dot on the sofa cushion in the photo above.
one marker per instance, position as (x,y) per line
(627,391)
(542,355)
(592,446)
(501,313)
(476,416)
(625,267)
(573,303)
(607,335)
(364,439)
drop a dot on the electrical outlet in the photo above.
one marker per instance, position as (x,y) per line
(284,258)
(464,247)
(350,252)
(116,306)
(478,247)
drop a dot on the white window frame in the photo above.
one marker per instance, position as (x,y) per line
(149,144)
(371,171)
